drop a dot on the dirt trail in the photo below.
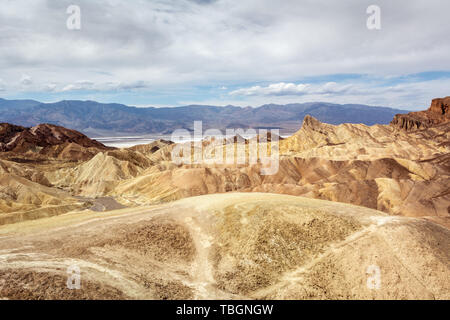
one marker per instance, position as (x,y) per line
(102,204)
(298,275)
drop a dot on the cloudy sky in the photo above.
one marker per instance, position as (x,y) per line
(246,52)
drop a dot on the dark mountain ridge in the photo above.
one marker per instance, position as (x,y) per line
(100,119)
(46,141)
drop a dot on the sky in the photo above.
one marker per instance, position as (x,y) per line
(226,52)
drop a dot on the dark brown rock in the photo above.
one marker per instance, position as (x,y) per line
(438,113)
(47,139)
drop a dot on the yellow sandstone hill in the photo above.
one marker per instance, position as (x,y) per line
(381,167)
(22,199)
(358,141)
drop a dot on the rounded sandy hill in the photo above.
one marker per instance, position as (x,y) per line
(227,246)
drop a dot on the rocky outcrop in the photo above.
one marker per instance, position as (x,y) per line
(438,113)
(441,105)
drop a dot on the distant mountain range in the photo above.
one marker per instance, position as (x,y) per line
(99,119)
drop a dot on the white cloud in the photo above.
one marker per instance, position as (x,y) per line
(335,88)
(128,45)
(189,42)
(26,80)
(407,95)
(79,85)
(292,89)
(275,89)
(102,86)
(135,85)
(50,87)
